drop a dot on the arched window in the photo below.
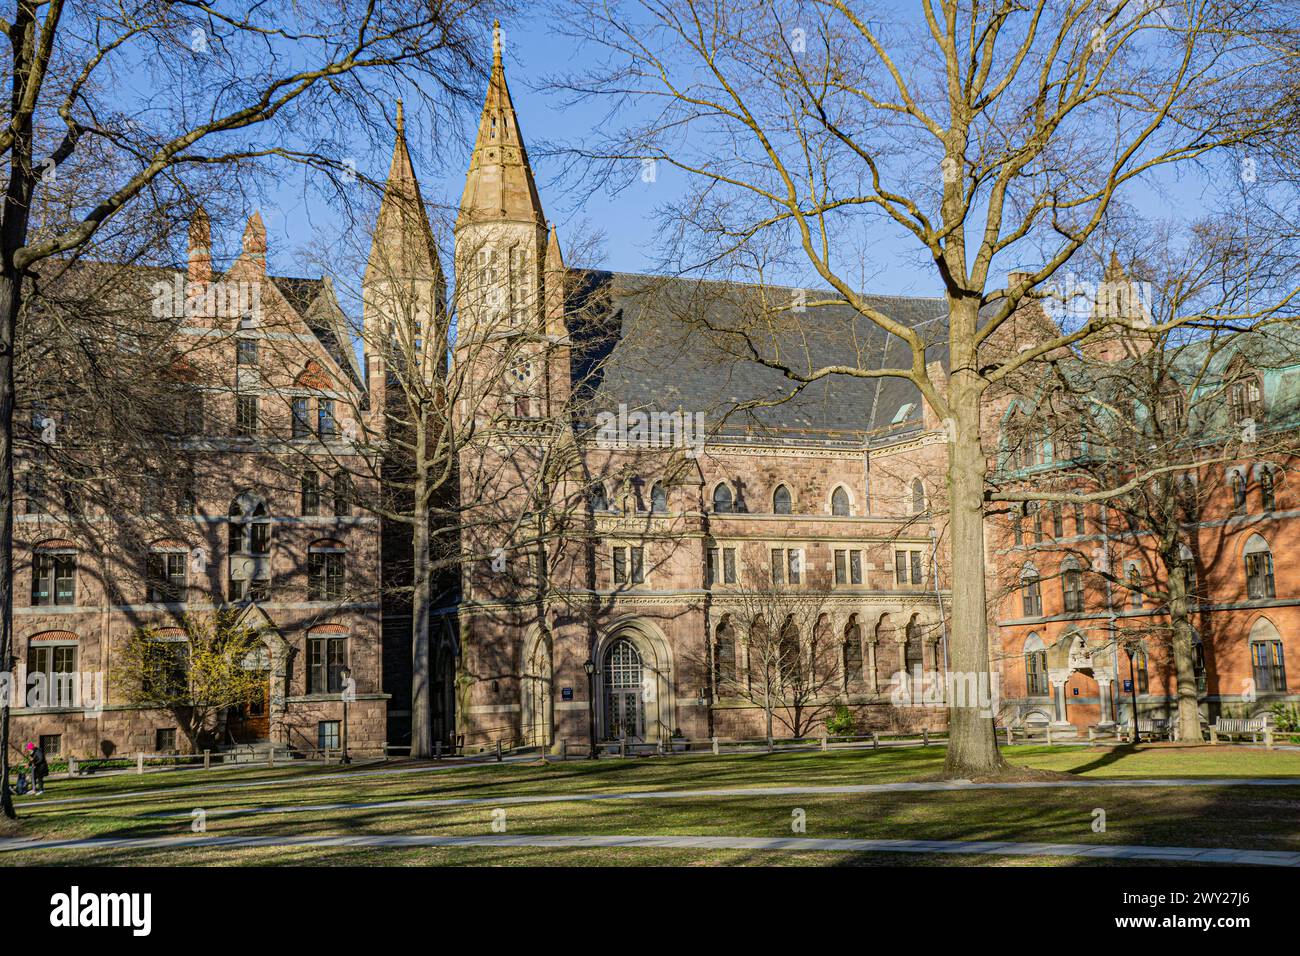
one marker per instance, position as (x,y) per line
(1267,493)
(1036,683)
(1259,569)
(918,497)
(913,649)
(1267,658)
(1035,512)
(658,498)
(1071,585)
(852,654)
(1198,662)
(1080,519)
(781,500)
(250,548)
(789,656)
(342,494)
(840,503)
(724,659)
(325,569)
(1058,521)
(599,500)
(624,693)
(722,502)
(1031,592)
(1187,567)
(1238,484)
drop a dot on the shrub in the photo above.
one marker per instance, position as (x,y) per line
(841,723)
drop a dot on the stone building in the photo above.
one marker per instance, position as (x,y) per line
(641,489)
(250,499)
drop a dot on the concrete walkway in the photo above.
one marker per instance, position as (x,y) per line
(796,844)
(815,790)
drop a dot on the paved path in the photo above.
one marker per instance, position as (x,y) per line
(796,844)
(815,790)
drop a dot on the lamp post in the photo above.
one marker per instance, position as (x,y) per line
(345,672)
(590,667)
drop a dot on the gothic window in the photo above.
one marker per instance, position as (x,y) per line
(250,548)
(599,500)
(1058,520)
(1259,569)
(722,500)
(1267,658)
(852,655)
(1031,593)
(1036,684)
(1133,581)
(918,497)
(840,503)
(781,502)
(724,659)
(658,498)
(1072,586)
(489,284)
(520,283)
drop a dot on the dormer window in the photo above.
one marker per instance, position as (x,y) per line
(1245,394)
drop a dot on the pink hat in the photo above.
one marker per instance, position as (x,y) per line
(30,747)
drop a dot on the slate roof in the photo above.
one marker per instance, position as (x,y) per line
(656,343)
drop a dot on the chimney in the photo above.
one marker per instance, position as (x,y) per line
(200,248)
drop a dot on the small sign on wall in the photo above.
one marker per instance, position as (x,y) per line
(566,693)
(1128,686)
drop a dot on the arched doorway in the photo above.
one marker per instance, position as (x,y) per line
(624,692)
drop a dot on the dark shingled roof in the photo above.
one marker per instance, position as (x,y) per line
(656,343)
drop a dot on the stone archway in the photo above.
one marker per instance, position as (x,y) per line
(620,651)
(537,724)
(274,656)
(1073,654)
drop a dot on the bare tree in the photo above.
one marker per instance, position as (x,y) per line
(977,132)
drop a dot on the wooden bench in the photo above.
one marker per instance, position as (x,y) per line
(1153,727)
(1254,727)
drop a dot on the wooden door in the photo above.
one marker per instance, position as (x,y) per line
(252,721)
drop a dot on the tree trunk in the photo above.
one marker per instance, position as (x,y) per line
(1184,654)
(421,610)
(972,742)
(10,289)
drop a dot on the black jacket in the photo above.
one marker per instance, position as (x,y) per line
(39,767)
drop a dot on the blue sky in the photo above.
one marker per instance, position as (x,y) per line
(626,220)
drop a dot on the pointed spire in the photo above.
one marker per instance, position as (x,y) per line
(1114,271)
(500,185)
(255,235)
(554,258)
(403,244)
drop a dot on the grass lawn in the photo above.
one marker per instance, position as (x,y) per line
(1209,816)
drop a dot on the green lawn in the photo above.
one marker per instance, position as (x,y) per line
(1240,817)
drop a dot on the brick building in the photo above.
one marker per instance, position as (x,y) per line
(1077,586)
(250,501)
